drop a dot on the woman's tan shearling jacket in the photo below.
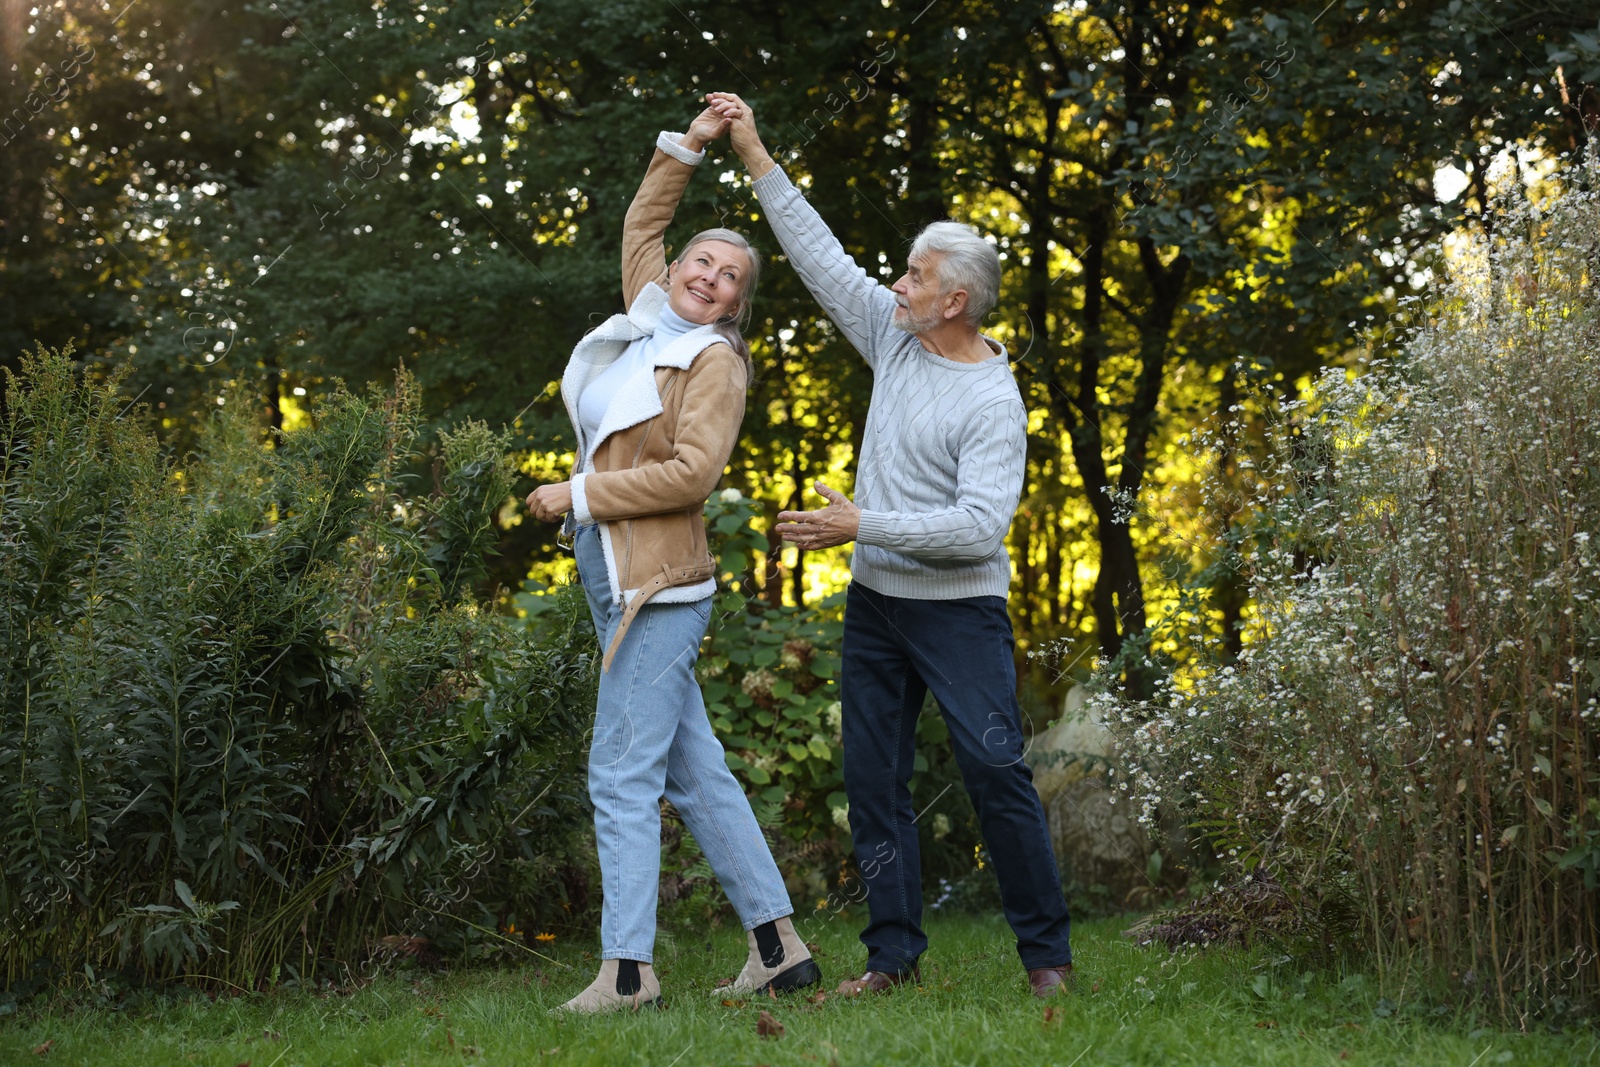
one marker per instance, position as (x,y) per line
(664,441)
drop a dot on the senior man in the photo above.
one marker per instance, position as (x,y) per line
(937,482)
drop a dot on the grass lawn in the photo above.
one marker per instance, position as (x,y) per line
(1131,1006)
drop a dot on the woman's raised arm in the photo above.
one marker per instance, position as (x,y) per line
(644,255)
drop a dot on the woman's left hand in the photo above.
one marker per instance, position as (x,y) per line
(706,127)
(550,502)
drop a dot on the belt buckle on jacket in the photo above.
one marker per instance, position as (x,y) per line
(569,526)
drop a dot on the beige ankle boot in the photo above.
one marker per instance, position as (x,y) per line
(621,984)
(784,965)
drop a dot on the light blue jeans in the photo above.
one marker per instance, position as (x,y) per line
(652,739)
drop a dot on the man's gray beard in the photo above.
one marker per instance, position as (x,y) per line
(913,325)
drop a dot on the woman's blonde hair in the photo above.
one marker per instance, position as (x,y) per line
(731,326)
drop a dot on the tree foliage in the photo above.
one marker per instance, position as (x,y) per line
(258,199)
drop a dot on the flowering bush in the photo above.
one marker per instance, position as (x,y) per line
(1410,729)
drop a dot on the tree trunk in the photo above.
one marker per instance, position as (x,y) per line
(1119,604)
(924,191)
(272,393)
(1118,594)
(1022,529)
(772,580)
(1052,572)
(1229,593)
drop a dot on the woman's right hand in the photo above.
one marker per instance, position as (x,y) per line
(707,127)
(550,503)
(742,127)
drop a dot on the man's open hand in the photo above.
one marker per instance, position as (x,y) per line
(836,524)
(549,502)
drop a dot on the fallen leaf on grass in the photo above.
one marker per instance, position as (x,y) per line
(731,1003)
(44,1049)
(1051,1016)
(813,948)
(1095,988)
(725,981)
(819,998)
(243,1063)
(401,945)
(1267,1024)
(767,1026)
(1344,1054)
(272,1035)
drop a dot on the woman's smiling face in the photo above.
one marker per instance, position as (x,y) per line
(708,282)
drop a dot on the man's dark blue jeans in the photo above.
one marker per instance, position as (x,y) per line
(895,651)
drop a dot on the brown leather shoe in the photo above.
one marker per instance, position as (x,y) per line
(876,982)
(1046,981)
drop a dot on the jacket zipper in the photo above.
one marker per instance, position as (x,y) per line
(627,555)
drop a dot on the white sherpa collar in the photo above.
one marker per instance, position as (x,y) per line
(646,310)
(637,399)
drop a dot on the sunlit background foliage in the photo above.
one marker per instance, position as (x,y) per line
(249,200)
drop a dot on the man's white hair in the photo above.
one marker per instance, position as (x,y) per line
(966,261)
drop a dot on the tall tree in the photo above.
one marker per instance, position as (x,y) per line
(1213,185)
(248,200)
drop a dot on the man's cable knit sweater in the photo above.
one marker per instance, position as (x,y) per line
(941,466)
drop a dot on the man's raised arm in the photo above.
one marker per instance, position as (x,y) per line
(861,306)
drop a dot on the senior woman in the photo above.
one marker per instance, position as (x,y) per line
(656,396)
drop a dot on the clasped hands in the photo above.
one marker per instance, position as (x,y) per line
(725,113)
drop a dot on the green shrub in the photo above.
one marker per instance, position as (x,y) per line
(769,676)
(252,716)
(1408,739)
